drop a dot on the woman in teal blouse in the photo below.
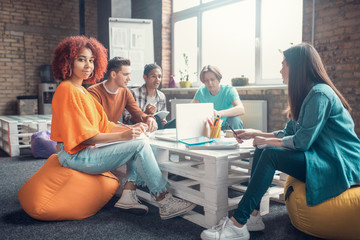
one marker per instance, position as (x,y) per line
(226,100)
(317,146)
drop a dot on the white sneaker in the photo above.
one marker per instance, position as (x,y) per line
(171,207)
(255,223)
(130,203)
(226,229)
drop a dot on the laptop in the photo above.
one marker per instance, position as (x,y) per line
(190,122)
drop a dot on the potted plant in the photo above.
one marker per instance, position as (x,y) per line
(184,74)
(240,81)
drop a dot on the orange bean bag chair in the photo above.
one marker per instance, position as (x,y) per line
(56,193)
(336,218)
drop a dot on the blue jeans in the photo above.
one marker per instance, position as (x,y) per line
(142,168)
(235,122)
(265,163)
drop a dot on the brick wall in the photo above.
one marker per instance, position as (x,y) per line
(166,62)
(337,38)
(30,30)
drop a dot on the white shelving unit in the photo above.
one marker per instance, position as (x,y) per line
(16,131)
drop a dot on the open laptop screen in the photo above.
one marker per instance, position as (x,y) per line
(190,121)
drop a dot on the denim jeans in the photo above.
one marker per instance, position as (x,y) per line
(265,163)
(142,168)
(235,122)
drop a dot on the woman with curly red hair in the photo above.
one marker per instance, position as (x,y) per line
(79,122)
(69,49)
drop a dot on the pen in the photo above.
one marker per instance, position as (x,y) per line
(142,120)
(124,125)
(216,122)
(209,121)
(233,130)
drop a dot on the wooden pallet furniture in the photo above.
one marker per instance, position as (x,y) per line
(16,131)
(205,177)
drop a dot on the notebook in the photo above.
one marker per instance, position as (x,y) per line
(217,144)
(224,143)
(196,140)
(166,134)
(161,114)
(190,121)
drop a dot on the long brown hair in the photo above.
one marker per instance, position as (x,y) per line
(305,70)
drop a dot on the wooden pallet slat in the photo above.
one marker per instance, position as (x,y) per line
(16,131)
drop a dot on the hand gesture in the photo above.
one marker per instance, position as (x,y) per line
(150,109)
(260,141)
(244,134)
(132,133)
(152,125)
(217,113)
(163,121)
(142,126)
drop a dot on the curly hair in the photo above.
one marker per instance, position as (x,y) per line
(69,49)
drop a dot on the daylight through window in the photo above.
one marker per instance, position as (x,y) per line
(241,37)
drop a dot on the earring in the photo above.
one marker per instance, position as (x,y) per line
(91,75)
(70,72)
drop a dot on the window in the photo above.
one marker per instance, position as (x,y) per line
(226,47)
(185,33)
(179,5)
(241,37)
(278,33)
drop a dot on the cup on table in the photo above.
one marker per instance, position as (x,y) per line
(215,131)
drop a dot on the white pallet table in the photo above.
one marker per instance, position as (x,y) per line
(204,178)
(16,131)
(275,192)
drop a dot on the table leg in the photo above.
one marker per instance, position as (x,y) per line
(215,189)
(162,155)
(13,139)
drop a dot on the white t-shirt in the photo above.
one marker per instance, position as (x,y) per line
(151,100)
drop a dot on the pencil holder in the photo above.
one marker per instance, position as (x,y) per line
(215,131)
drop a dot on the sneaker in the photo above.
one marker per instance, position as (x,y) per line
(130,203)
(171,207)
(255,223)
(226,229)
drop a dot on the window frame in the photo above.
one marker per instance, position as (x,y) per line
(198,11)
